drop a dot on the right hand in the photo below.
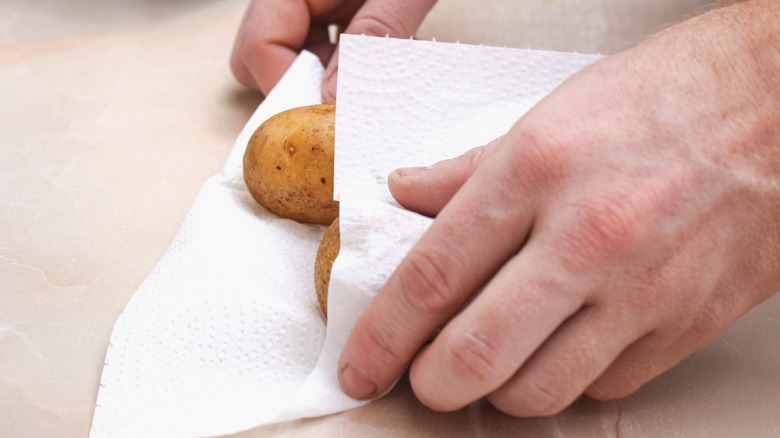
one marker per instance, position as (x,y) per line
(622,223)
(273,32)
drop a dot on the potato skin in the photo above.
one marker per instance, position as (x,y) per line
(326,254)
(288,164)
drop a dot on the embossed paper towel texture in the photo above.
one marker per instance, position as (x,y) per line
(216,341)
(226,327)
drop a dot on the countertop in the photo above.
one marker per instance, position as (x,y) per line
(112,115)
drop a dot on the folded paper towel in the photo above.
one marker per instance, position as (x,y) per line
(225,332)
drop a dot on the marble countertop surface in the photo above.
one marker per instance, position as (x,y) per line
(112,115)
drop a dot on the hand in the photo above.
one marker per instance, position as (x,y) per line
(273,32)
(624,222)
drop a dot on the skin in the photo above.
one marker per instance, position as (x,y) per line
(273,32)
(623,223)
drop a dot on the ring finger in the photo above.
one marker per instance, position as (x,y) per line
(569,361)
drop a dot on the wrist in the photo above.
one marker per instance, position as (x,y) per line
(732,58)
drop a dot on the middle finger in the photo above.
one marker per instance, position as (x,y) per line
(484,346)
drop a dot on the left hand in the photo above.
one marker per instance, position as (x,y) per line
(624,222)
(273,33)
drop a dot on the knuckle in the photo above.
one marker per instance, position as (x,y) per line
(237,67)
(474,159)
(709,319)
(622,379)
(600,230)
(717,313)
(602,392)
(426,285)
(608,225)
(473,357)
(383,347)
(534,399)
(236,54)
(541,154)
(235,58)
(544,400)
(622,218)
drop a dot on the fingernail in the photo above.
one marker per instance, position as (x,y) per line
(408,171)
(480,150)
(330,74)
(356,384)
(329,87)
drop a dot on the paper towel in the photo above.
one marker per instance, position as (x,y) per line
(225,333)
(227,326)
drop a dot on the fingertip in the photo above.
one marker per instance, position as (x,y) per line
(403,172)
(406,185)
(597,392)
(356,384)
(399,180)
(393,176)
(421,382)
(427,190)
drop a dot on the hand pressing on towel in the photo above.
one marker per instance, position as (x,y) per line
(623,223)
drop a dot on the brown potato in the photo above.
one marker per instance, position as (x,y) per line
(288,164)
(326,254)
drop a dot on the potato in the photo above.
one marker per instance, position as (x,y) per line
(326,254)
(288,164)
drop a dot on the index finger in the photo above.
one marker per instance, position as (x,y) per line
(468,242)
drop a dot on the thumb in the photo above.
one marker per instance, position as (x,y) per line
(395,18)
(426,190)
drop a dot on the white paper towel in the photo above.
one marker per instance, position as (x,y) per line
(225,333)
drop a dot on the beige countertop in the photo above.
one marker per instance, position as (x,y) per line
(112,115)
